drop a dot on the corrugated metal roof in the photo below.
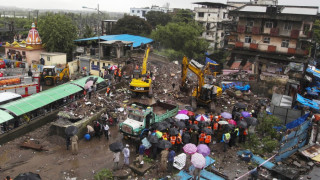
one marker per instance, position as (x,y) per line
(254,8)
(300,10)
(4,116)
(137,40)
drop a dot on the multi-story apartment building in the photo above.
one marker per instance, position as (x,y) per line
(141,12)
(214,18)
(272,34)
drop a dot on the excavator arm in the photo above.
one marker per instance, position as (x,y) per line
(185,66)
(65,73)
(145,60)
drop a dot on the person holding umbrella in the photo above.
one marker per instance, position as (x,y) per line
(141,152)
(225,138)
(116,159)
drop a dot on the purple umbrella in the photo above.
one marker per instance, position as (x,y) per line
(226,115)
(198,160)
(184,111)
(203,149)
(245,114)
(190,148)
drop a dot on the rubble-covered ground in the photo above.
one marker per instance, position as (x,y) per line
(94,155)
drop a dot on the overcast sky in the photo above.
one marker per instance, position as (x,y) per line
(124,5)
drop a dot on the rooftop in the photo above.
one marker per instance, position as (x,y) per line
(301,10)
(212,4)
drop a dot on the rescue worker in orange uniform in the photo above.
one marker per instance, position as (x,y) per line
(164,136)
(202,137)
(108,91)
(207,140)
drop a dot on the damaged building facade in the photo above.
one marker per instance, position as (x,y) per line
(269,38)
(215,20)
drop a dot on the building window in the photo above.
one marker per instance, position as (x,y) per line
(143,13)
(287,26)
(132,11)
(201,14)
(266,40)
(247,39)
(48,58)
(207,34)
(269,24)
(250,23)
(138,11)
(285,43)
(224,15)
(23,53)
(222,34)
(208,14)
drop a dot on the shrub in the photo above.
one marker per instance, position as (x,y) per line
(104,174)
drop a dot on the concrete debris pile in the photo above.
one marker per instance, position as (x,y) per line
(239,76)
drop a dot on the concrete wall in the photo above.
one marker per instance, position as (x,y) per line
(54,59)
(73,66)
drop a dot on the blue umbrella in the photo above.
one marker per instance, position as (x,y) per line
(245,114)
(226,115)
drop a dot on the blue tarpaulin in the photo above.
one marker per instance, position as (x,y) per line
(309,70)
(313,89)
(243,88)
(297,122)
(210,61)
(257,159)
(307,102)
(137,40)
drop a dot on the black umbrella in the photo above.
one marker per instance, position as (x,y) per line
(153,139)
(116,146)
(166,124)
(207,131)
(173,131)
(71,130)
(194,127)
(180,124)
(28,176)
(161,127)
(251,121)
(241,105)
(163,144)
(229,126)
(170,120)
(155,125)
(242,124)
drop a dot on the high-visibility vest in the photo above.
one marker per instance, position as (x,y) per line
(108,90)
(211,117)
(215,126)
(208,139)
(179,139)
(164,136)
(209,127)
(137,67)
(227,136)
(202,136)
(173,139)
(119,74)
(195,122)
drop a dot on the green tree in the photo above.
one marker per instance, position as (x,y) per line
(155,18)
(58,33)
(132,25)
(181,37)
(183,15)
(88,32)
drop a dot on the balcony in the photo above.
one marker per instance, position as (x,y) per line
(256,30)
(274,31)
(302,52)
(249,29)
(239,44)
(294,34)
(241,29)
(272,49)
(291,51)
(253,46)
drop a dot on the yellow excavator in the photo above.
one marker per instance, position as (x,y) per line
(203,94)
(140,83)
(50,76)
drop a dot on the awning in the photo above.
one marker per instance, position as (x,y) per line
(4,116)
